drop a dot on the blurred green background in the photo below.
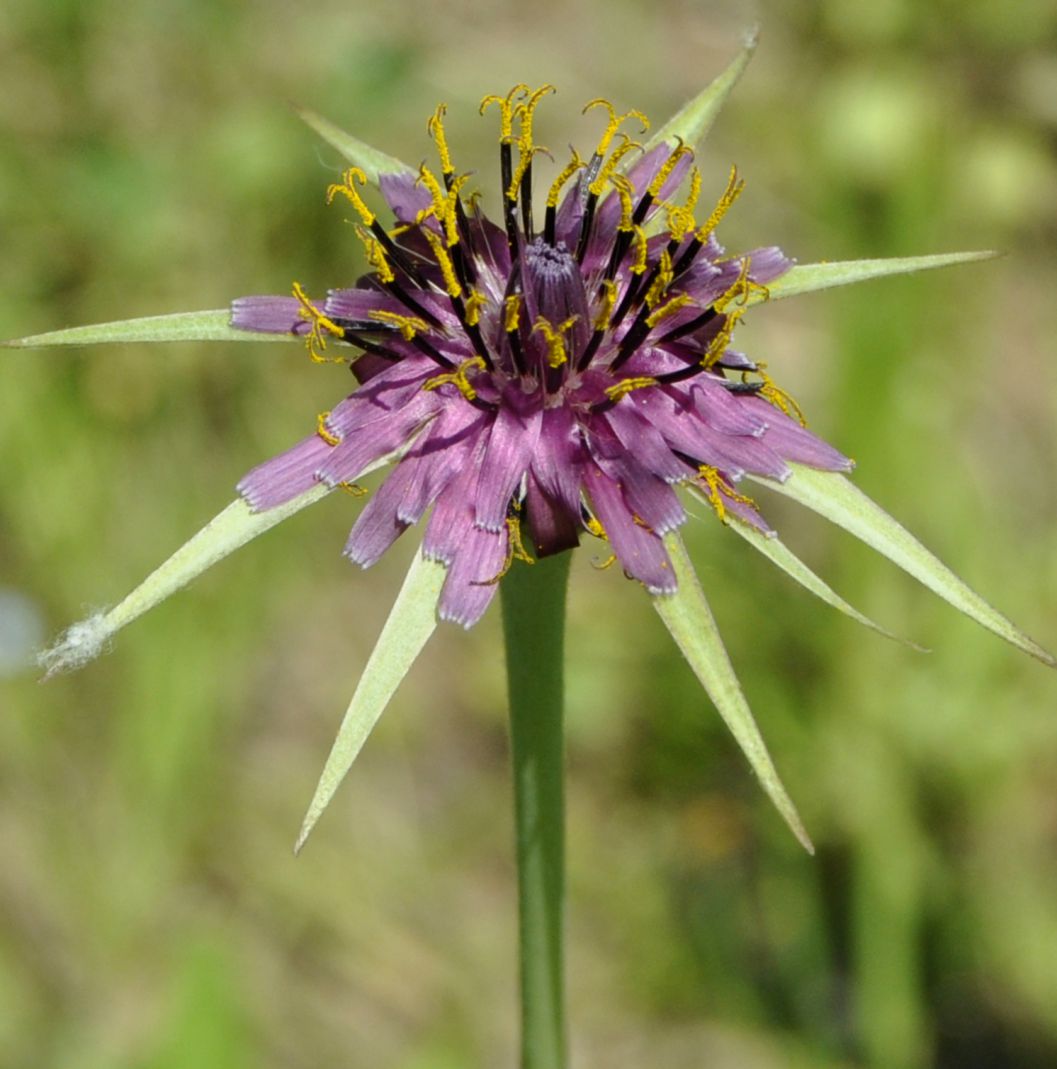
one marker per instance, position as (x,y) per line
(151,913)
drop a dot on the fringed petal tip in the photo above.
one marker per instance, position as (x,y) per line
(77,645)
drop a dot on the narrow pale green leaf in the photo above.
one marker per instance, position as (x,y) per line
(371,161)
(778,553)
(410,624)
(837,499)
(805,278)
(180,326)
(689,620)
(225,533)
(694,120)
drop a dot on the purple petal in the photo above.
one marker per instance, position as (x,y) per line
(378,525)
(551,526)
(767,264)
(473,576)
(269,315)
(640,552)
(405,196)
(510,448)
(386,393)
(285,476)
(453,513)
(795,442)
(643,441)
(558,461)
(722,410)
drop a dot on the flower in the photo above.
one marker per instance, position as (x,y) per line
(570,375)
(564,378)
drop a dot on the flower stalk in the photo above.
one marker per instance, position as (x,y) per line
(533,601)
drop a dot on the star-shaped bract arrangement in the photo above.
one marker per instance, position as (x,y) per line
(537,384)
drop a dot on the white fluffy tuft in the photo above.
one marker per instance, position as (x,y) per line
(77,645)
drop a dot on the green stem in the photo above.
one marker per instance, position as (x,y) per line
(534,630)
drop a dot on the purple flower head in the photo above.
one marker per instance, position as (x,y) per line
(534,383)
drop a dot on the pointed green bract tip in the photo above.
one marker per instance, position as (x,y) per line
(689,620)
(373,162)
(805,278)
(693,121)
(837,499)
(411,622)
(214,325)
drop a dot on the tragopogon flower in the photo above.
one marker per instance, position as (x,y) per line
(555,375)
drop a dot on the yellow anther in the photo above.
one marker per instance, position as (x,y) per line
(524,114)
(669,308)
(447,268)
(620,390)
(376,255)
(525,155)
(457,378)
(638,265)
(506,110)
(348,189)
(435,129)
(681,218)
(474,303)
(595,527)
(574,165)
(515,550)
(511,312)
(316,339)
(663,280)
(443,207)
(739,290)
(598,186)
(723,205)
(718,345)
(321,429)
(557,353)
(354,489)
(778,397)
(717,488)
(408,326)
(606,303)
(615,122)
(625,191)
(662,176)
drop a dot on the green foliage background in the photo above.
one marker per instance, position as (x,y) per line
(151,913)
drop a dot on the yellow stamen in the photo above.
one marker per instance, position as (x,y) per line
(348,189)
(447,269)
(681,217)
(595,527)
(474,303)
(615,122)
(781,399)
(619,390)
(625,191)
(662,281)
(641,250)
(669,308)
(606,304)
(506,110)
(316,339)
(457,378)
(409,326)
(662,176)
(435,129)
(515,550)
(717,488)
(574,165)
(739,290)
(555,338)
(376,256)
(525,155)
(598,186)
(717,346)
(524,114)
(321,429)
(443,203)
(723,205)
(511,312)
(354,489)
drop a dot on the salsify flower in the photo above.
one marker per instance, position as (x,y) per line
(537,380)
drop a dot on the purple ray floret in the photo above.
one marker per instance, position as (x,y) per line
(540,377)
